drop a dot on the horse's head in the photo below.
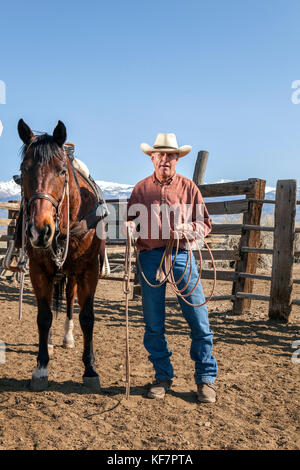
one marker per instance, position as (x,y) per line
(44,176)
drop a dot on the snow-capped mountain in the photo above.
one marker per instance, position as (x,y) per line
(9,190)
(115,190)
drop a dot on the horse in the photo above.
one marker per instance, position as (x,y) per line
(61,243)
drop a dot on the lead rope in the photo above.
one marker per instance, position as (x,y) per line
(57,259)
(126,290)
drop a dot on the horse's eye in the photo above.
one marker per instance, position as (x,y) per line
(24,168)
(62,172)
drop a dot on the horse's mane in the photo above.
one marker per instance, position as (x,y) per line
(43,149)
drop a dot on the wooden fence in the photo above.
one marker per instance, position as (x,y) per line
(252,192)
(242,277)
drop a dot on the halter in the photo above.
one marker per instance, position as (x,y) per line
(59,257)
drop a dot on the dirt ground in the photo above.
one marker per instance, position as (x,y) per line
(258,384)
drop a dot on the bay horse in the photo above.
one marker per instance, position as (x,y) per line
(59,242)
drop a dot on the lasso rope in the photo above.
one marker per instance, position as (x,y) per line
(167,258)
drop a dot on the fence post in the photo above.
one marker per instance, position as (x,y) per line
(11,230)
(13,215)
(200,167)
(283,251)
(249,238)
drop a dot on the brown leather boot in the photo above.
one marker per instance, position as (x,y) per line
(206,392)
(159,388)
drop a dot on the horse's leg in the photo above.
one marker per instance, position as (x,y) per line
(86,290)
(71,288)
(50,343)
(43,287)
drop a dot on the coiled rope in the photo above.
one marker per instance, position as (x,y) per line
(167,260)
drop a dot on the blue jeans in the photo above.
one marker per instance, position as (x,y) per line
(197,318)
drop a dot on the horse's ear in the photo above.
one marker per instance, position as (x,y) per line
(25,132)
(60,134)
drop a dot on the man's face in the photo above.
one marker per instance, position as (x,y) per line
(164,164)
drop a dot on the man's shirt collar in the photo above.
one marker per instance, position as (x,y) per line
(166,183)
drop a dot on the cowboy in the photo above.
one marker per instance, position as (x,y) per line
(156,199)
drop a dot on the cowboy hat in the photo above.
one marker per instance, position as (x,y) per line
(166,143)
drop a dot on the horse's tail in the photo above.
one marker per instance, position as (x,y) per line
(58,292)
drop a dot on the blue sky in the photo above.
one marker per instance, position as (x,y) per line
(218,73)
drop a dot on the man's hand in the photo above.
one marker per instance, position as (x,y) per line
(131,228)
(184,229)
(178,232)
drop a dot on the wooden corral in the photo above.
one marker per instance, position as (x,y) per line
(243,275)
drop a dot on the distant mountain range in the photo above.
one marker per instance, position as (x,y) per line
(9,190)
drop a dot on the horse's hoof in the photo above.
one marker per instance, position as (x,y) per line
(68,344)
(93,383)
(38,384)
(50,349)
(39,379)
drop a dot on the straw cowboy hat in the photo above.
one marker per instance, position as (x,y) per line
(166,143)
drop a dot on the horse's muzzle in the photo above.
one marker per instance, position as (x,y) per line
(40,238)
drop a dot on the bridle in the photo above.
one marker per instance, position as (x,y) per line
(59,256)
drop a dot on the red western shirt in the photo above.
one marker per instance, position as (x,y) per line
(156,207)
